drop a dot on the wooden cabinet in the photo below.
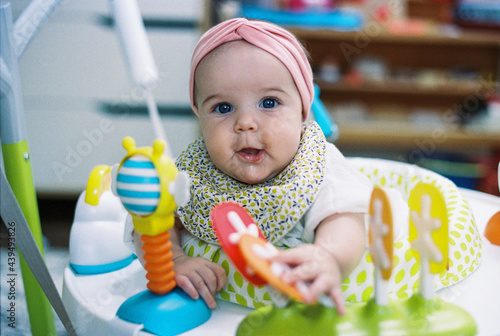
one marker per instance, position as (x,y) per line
(446,72)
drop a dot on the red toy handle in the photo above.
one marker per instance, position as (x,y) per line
(224,229)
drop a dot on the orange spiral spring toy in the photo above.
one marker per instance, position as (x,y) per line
(159,264)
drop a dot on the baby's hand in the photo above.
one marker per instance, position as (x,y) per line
(316,266)
(199,277)
(196,276)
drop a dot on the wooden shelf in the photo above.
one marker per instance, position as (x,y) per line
(434,50)
(397,87)
(444,52)
(377,33)
(401,135)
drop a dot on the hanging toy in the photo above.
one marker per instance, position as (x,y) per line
(381,242)
(249,250)
(429,240)
(428,234)
(429,315)
(142,184)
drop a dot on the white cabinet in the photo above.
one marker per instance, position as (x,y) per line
(78,96)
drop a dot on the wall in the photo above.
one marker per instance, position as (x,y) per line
(78,97)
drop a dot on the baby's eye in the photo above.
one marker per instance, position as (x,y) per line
(269,103)
(223,108)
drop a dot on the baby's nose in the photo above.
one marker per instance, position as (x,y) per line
(246,121)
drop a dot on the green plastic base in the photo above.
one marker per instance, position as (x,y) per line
(413,316)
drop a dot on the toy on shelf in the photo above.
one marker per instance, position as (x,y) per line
(429,315)
(150,188)
(337,19)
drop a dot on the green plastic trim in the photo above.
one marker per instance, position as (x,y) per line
(18,171)
(413,316)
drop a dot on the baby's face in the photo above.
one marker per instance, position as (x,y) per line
(250,111)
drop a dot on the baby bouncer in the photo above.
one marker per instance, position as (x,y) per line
(19,209)
(97,289)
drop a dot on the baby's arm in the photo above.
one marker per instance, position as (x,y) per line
(337,249)
(196,276)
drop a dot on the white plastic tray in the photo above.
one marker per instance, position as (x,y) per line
(92,301)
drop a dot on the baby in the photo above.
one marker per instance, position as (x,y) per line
(251,88)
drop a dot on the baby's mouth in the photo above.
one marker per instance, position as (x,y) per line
(251,154)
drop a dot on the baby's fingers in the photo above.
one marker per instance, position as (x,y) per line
(323,286)
(294,256)
(338,298)
(194,285)
(205,283)
(220,275)
(184,283)
(207,296)
(304,273)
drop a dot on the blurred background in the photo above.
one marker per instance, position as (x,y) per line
(408,80)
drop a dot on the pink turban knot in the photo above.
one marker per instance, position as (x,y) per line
(269,37)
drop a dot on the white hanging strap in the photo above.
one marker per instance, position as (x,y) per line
(25,242)
(155,118)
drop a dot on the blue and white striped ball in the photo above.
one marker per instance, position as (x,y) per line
(138,185)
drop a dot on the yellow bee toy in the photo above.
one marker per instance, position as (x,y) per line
(150,187)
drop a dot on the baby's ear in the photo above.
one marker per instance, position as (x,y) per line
(195,109)
(305,115)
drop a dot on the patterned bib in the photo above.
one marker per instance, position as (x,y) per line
(276,205)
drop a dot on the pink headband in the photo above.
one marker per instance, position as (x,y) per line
(269,37)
